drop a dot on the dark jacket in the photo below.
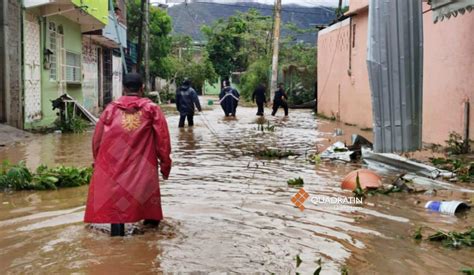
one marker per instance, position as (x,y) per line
(259,95)
(280,96)
(186,99)
(229,98)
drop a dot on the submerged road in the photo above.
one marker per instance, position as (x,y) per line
(226,211)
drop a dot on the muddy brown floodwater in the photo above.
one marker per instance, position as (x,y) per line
(226,211)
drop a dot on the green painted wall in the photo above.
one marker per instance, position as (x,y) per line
(215,88)
(97,8)
(49,88)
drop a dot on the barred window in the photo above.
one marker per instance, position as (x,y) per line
(53,46)
(73,67)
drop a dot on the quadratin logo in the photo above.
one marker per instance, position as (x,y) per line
(300,198)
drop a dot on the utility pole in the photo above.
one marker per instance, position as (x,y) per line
(276,48)
(4,63)
(147,46)
(140,35)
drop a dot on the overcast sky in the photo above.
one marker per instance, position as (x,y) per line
(331,3)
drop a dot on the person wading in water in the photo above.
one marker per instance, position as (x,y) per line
(131,140)
(259,96)
(229,99)
(186,99)
(280,100)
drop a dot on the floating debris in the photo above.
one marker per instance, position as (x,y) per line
(367,180)
(397,162)
(275,154)
(454,239)
(337,151)
(297,182)
(447,207)
(268,128)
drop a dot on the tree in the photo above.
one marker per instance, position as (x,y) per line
(160,40)
(190,62)
(235,43)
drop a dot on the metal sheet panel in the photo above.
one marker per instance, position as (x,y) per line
(395,65)
(444,9)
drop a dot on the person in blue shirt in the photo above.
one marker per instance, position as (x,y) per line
(186,102)
(280,100)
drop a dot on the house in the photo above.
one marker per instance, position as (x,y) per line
(343,82)
(102,60)
(52,46)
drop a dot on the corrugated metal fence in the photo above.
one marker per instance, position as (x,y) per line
(395,64)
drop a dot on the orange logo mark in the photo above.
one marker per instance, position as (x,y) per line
(131,122)
(300,198)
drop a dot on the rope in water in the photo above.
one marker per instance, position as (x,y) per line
(207,124)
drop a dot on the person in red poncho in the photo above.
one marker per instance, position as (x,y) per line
(131,140)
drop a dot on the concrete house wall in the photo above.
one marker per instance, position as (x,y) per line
(11,96)
(52,89)
(344,90)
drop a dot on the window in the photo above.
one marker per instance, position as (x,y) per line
(73,67)
(53,46)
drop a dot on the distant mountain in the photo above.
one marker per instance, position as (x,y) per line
(188,19)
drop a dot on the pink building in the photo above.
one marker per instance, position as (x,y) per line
(343,82)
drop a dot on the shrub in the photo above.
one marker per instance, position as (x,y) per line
(257,73)
(19,177)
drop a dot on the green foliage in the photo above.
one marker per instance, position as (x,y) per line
(197,71)
(74,125)
(242,43)
(454,239)
(71,123)
(269,128)
(298,61)
(160,41)
(456,145)
(418,235)
(19,177)
(296,182)
(134,15)
(314,159)
(358,192)
(237,41)
(464,169)
(467,271)
(190,63)
(14,176)
(257,73)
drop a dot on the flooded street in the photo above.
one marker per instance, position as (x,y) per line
(227,211)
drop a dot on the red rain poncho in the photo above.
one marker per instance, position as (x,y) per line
(129,140)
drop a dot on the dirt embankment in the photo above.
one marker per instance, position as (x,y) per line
(10,135)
